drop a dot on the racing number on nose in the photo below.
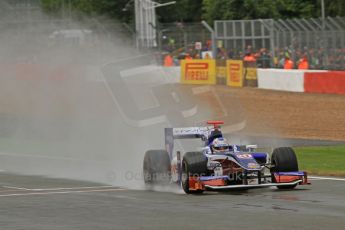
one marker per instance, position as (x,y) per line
(244,156)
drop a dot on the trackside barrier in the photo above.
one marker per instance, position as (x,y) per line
(221,71)
(233,73)
(234,70)
(277,79)
(325,82)
(198,72)
(309,81)
(250,73)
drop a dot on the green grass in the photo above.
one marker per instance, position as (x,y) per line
(322,160)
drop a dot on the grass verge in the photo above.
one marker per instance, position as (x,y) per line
(322,160)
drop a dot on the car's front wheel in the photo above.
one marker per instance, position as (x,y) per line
(284,160)
(194,164)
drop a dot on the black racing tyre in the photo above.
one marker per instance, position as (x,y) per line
(156,167)
(193,164)
(284,160)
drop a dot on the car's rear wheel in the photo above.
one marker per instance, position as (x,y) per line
(193,164)
(156,167)
(284,160)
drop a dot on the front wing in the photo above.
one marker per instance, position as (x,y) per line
(220,182)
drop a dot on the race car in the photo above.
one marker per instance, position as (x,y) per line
(217,165)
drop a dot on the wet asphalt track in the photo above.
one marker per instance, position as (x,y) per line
(28,202)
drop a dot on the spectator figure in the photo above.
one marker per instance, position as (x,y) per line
(321,58)
(281,60)
(188,57)
(171,43)
(207,56)
(231,54)
(313,60)
(249,57)
(249,49)
(168,60)
(209,44)
(176,61)
(288,64)
(303,63)
(221,54)
(276,58)
(264,59)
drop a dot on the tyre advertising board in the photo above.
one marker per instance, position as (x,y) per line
(198,72)
(234,70)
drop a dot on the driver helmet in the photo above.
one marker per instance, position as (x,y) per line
(219,145)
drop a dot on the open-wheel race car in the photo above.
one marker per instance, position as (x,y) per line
(218,165)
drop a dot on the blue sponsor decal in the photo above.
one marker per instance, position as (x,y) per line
(205,178)
(247,161)
(290,173)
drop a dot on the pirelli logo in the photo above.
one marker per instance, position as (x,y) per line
(197,71)
(235,73)
(235,67)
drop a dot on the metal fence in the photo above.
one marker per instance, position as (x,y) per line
(238,35)
(322,41)
(182,37)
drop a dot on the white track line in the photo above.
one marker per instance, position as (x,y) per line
(17,188)
(57,189)
(325,178)
(60,192)
(71,188)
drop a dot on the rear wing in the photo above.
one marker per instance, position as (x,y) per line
(171,134)
(188,133)
(206,134)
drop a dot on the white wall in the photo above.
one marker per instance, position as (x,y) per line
(281,79)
